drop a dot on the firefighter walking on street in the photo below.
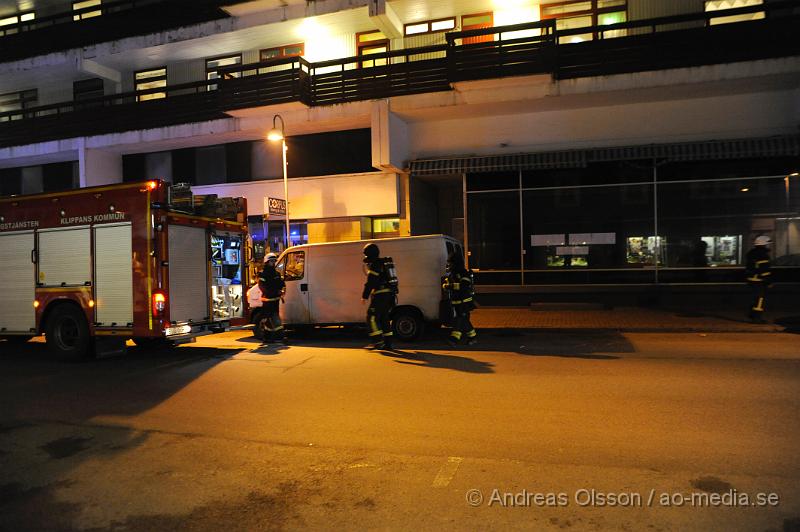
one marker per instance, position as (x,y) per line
(458,284)
(272,289)
(381,289)
(759,277)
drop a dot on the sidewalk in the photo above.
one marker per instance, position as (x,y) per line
(629,319)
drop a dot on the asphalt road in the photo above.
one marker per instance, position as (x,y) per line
(584,431)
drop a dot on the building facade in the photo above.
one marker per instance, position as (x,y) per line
(568,143)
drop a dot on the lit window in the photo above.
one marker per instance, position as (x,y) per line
(151,79)
(386,225)
(16,101)
(370,43)
(213,65)
(289,50)
(85,4)
(722,5)
(430,26)
(13,21)
(589,14)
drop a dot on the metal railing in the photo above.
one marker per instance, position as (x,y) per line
(522,49)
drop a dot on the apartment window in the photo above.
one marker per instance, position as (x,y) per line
(477,21)
(8,25)
(722,5)
(151,79)
(213,65)
(430,26)
(576,14)
(369,43)
(85,12)
(290,50)
(17,101)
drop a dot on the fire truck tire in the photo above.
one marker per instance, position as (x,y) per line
(67,333)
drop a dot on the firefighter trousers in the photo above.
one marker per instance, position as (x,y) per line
(759,291)
(272,325)
(378,323)
(462,327)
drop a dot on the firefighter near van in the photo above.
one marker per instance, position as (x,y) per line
(268,323)
(381,288)
(93,267)
(458,287)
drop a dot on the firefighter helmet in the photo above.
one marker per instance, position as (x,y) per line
(270,256)
(763,240)
(371,251)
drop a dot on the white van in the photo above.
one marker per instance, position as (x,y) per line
(324,282)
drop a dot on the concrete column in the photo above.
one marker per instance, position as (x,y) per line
(390,146)
(98,167)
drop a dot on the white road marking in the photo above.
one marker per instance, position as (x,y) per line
(447,472)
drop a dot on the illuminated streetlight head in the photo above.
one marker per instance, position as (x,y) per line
(276,134)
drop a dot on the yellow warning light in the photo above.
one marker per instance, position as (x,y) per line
(152,185)
(35,304)
(91,303)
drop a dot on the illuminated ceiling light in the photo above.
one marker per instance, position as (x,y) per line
(744,189)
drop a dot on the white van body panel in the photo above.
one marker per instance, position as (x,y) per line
(334,278)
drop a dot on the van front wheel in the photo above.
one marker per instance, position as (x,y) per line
(407,324)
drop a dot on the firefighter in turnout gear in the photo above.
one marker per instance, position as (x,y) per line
(381,289)
(458,285)
(272,289)
(759,277)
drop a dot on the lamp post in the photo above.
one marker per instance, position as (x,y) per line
(276,134)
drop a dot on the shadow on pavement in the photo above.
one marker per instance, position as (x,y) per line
(53,420)
(431,360)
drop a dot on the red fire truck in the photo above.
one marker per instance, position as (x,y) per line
(117,262)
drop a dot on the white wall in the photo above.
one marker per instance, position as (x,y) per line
(735,116)
(350,195)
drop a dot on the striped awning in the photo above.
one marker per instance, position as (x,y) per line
(780,146)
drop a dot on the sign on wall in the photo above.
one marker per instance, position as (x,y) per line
(275,207)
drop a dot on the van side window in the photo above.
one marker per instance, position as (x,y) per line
(449,248)
(295,267)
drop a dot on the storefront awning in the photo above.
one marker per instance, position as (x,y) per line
(780,146)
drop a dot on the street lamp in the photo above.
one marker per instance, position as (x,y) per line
(276,134)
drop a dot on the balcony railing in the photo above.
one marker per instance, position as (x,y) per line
(523,49)
(114,20)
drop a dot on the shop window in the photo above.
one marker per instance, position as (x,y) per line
(370,43)
(290,50)
(722,5)
(8,25)
(589,14)
(17,101)
(430,26)
(384,227)
(83,9)
(151,79)
(213,65)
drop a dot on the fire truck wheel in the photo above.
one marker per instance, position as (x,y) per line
(67,333)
